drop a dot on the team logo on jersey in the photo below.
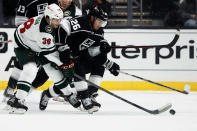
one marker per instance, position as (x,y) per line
(87,43)
(48,29)
(41,8)
(67,13)
(3,38)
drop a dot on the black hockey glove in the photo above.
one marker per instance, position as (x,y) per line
(104,47)
(114,69)
(68,71)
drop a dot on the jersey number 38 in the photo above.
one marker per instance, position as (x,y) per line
(27,25)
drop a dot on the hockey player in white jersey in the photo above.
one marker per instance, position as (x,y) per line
(25,10)
(28,9)
(35,46)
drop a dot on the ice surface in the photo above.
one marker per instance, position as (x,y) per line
(114,115)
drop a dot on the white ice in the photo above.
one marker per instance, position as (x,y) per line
(114,115)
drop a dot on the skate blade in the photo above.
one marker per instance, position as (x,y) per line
(58,99)
(94,109)
(66,103)
(81,109)
(16,111)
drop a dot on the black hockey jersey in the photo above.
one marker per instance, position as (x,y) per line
(79,35)
(32,8)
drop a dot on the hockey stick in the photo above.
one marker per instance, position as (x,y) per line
(171,44)
(157,111)
(186,91)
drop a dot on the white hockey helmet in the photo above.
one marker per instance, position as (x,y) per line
(53,11)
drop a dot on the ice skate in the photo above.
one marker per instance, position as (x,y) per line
(44,100)
(94,101)
(73,100)
(88,105)
(8,93)
(17,106)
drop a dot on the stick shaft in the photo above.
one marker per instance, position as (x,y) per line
(184,92)
(171,44)
(158,111)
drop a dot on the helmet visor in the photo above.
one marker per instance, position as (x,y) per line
(102,23)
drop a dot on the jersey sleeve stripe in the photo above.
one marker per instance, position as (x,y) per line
(47,52)
(48,49)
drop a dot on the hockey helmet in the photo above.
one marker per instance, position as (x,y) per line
(97,12)
(53,11)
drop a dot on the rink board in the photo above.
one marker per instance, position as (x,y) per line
(173,67)
(127,85)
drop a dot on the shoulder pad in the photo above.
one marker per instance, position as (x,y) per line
(65,24)
(78,11)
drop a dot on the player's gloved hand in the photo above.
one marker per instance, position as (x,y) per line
(104,47)
(114,69)
(68,70)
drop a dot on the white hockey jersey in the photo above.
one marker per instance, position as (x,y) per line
(37,35)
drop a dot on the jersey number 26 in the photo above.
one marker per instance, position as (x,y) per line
(75,24)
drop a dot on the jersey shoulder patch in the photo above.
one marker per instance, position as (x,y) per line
(45,27)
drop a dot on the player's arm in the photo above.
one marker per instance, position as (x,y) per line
(66,68)
(21,12)
(48,48)
(101,48)
(102,60)
(50,52)
(64,51)
(98,55)
(52,55)
(63,31)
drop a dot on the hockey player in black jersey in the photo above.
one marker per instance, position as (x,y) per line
(30,8)
(84,37)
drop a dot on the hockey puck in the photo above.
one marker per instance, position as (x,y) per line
(191,41)
(172,112)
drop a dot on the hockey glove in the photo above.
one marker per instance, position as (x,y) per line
(104,47)
(114,69)
(68,71)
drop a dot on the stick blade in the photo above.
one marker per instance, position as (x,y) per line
(165,108)
(187,88)
(162,109)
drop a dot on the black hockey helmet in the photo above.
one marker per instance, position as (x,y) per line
(97,12)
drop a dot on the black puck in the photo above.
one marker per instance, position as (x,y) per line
(191,41)
(172,112)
